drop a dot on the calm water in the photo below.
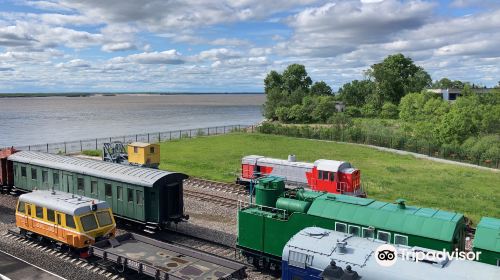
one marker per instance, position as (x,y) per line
(25,121)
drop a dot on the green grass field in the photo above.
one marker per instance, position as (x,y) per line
(388,176)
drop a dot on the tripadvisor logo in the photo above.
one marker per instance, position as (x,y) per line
(387,255)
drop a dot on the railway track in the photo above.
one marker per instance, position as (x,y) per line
(205,245)
(214,185)
(216,199)
(97,266)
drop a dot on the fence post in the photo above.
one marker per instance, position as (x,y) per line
(148,137)
(170,135)
(81,146)
(136,138)
(47,147)
(209,131)
(29,147)
(65,150)
(109,139)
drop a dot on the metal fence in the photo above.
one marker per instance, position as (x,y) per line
(97,143)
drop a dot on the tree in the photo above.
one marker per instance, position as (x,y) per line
(356,92)
(396,76)
(447,83)
(321,88)
(369,110)
(285,90)
(462,121)
(325,108)
(272,81)
(389,111)
(295,77)
(274,98)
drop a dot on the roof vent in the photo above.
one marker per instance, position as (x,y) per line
(292,158)
(401,203)
(341,246)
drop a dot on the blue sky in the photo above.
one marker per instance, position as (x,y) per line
(227,46)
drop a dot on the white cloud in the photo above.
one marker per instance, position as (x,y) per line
(229,42)
(74,63)
(120,46)
(219,54)
(165,57)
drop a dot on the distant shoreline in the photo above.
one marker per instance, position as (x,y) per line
(89,94)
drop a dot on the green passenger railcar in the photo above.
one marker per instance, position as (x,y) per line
(139,194)
(487,240)
(264,231)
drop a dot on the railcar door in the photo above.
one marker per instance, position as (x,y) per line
(67,183)
(130,208)
(58,226)
(27,209)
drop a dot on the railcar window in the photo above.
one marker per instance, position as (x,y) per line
(332,176)
(80,184)
(384,236)
(108,190)
(88,222)
(354,230)
(368,233)
(20,207)
(93,187)
(23,171)
(55,178)
(119,192)
(50,215)
(152,150)
(130,195)
(322,175)
(70,221)
(29,209)
(45,176)
(341,227)
(139,197)
(33,174)
(400,239)
(39,212)
(104,218)
(136,150)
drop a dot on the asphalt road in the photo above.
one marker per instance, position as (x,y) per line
(16,269)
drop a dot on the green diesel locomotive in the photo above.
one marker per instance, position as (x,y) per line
(263,230)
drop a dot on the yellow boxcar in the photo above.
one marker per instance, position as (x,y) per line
(144,154)
(73,220)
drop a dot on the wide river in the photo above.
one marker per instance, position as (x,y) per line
(38,120)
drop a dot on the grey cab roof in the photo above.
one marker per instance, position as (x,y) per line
(117,172)
(62,202)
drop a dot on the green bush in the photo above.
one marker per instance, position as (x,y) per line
(92,153)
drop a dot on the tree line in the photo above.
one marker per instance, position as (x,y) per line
(395,89)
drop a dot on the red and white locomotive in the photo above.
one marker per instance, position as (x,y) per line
(322,175)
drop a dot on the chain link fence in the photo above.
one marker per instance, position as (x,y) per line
(78,146)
